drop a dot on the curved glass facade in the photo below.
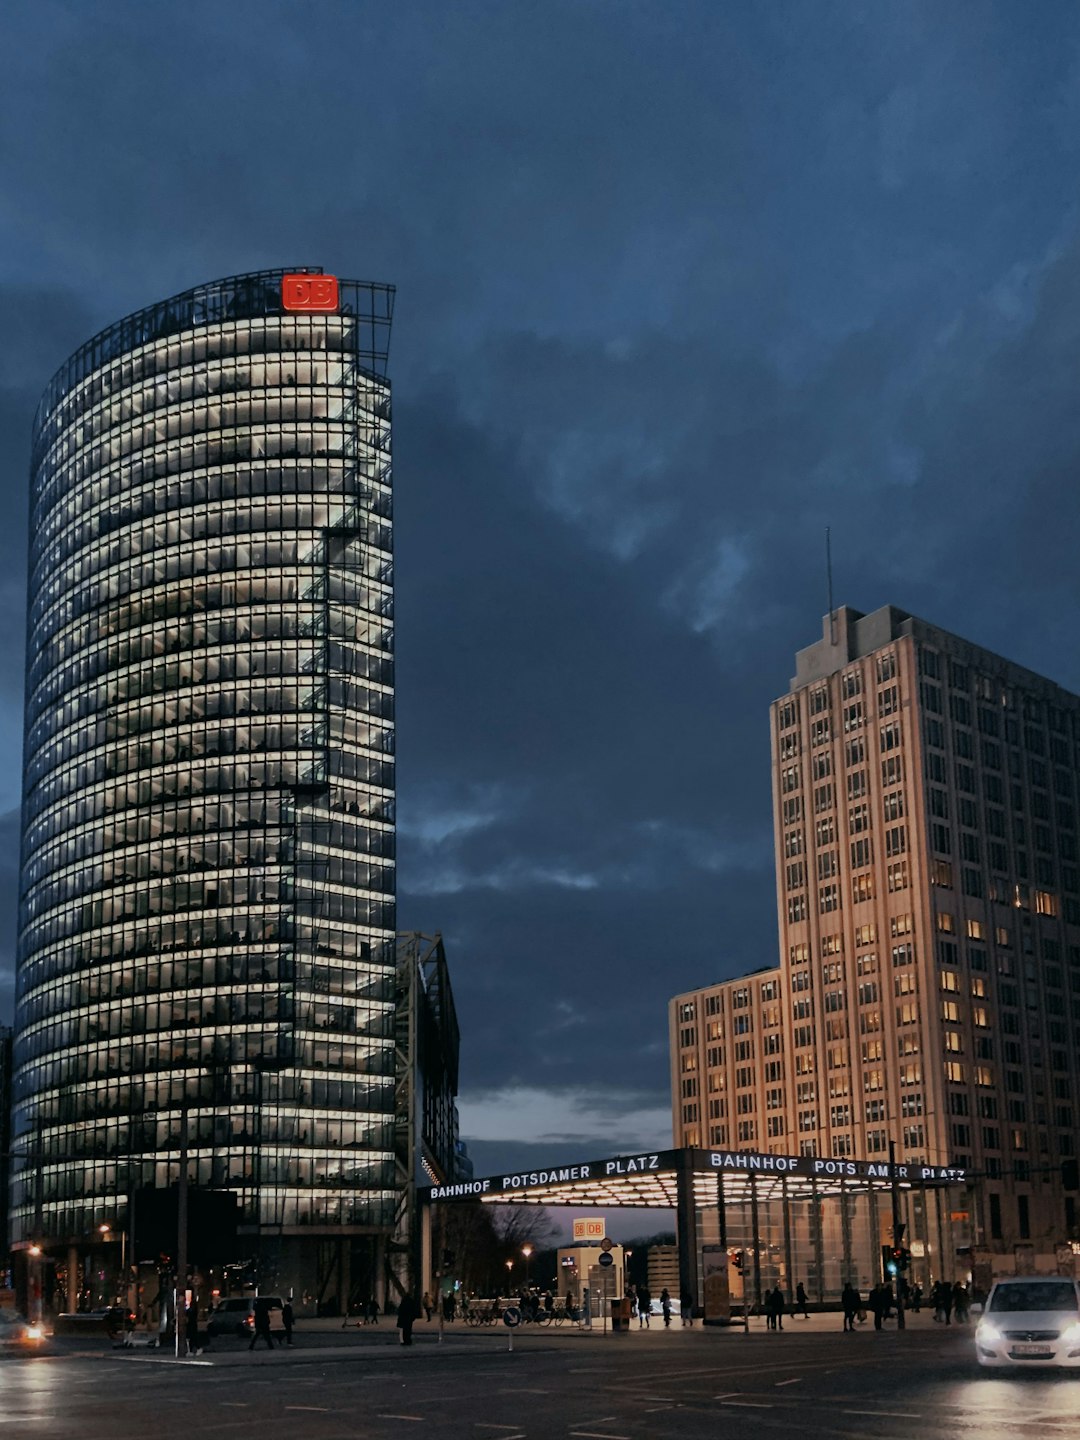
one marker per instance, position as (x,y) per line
(207,898)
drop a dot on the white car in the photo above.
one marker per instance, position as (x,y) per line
(1033,1320)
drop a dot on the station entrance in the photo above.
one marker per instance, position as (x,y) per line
(776,1219)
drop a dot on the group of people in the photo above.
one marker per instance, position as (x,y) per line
(949,1300)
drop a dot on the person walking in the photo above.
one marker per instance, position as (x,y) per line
(851,1303)
(877,1303)
(801,1300)
(779,1307)
(429,1309)
(262,1325)
(665,1306)
(287,1320)
(372,1311)
(960,1302)
(644,1307)
(191,1327)
(407,1314)
(686,1307)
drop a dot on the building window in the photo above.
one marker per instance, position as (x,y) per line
(897,876)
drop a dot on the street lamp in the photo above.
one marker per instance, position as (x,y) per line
(106,1232)
(509,1267)
(35,1284)
(526,1250)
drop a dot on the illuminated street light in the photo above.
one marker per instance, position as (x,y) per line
(509,1267)
(526,1250)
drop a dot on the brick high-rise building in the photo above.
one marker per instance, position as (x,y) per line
(928,992)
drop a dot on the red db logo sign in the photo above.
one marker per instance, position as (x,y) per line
(309,292)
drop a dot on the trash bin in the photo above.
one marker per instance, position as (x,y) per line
(620,1314)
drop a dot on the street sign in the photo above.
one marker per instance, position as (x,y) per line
(606,1244)
(511,1316)
(606,1259)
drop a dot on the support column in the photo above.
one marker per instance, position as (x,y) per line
(845,1230)
(945,1258)
(686,1228)
(818,1239)
(721,1211)
(875,1236)
(426,1287)
(72,1278)
(380,1271)
(789,1261)
(756,1230)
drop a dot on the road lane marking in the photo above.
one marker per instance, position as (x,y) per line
(750,1404)
(891,1414)
(598,1435)
(797,1380)
(418,1418)
(320,1409)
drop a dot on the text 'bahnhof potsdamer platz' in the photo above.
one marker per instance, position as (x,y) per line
(206,960)
(928,990)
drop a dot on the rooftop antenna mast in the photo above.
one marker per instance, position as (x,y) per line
(828,573)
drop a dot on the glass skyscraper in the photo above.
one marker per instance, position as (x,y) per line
(207,899)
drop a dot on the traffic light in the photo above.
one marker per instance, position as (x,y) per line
(900,1259)
(737,1259)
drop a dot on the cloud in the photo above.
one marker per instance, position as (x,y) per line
(616,1120)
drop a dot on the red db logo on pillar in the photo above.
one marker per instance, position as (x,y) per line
(309,292)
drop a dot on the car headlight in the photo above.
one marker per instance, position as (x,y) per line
(1071,1333)
(987,1332)
(35,1332)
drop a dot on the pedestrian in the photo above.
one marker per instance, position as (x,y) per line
(287,1321)
(407,1314)
(686,1307)
(262,1325)
(770,1313)
(448,1306)
(946,1302)
(960,1302)
(665,1306)
(851,1303)
(877,1303)
(428,1308)
(191,1327)
(801,1300)
(916,1298)
(779,1308)
(373,1311)
(644,1307)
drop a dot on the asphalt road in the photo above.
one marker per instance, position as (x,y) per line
(556,1385)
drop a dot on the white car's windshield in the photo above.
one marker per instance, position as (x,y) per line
(1050,1296)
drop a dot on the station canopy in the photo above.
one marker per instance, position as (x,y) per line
(651,1179)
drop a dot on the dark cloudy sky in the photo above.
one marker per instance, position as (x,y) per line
(679,284)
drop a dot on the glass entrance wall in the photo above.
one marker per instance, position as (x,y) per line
(822,1237)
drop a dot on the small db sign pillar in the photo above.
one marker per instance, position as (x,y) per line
(593,1229)
(309,293)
